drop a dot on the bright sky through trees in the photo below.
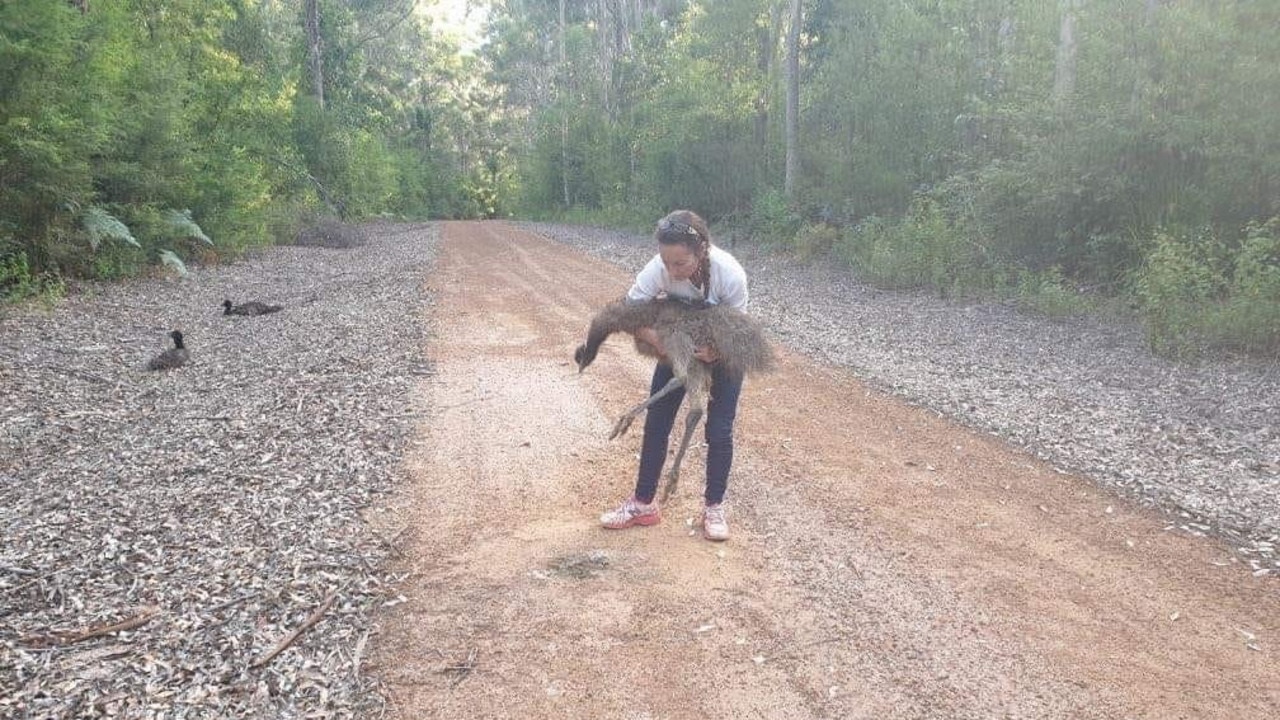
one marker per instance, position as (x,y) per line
(462,19)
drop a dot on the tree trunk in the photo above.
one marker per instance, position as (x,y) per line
(1006,35)
(604,36)
(315,62)
(1064,76)
(564,111)
(793,102)
(1144,52)
(766,65)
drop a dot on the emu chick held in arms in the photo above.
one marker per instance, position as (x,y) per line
(683,327)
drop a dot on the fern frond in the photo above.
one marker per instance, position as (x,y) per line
(184,226)
(170,258)
(102,225)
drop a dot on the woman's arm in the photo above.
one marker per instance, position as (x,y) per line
(648,284)
(731,288)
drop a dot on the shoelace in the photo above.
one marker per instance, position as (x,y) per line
(714,514)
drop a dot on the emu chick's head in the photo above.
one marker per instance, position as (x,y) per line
(175,356)
(584,356)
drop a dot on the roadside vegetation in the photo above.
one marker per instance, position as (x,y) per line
(1070,156)
(138,136)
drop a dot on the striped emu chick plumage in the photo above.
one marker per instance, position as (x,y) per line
(683,327)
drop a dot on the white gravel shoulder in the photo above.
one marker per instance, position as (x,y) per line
(1200,442)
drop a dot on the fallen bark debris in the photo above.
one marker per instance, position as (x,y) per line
(292,637)
(70,637)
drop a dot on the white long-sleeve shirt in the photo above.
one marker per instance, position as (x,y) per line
(728,282)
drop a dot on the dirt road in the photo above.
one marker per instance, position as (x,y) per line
(885,563)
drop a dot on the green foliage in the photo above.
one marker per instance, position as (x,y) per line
(18,283)
(1257,265)
(1197,293)
(148,231)
(44,143)
(1181,278)
(638,217)
(816,240)
(637,220)
(1048,293)
(101,225)
(172,261)
(771,220)
(925,249)
(400,131)
(889,85)
(112,262)
(931,132)
(15,276)
(135,107)
(935,150)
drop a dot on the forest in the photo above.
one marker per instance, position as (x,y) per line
(1073,156)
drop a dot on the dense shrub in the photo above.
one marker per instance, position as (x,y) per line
(816,240)
(923,249)
(772,220)
(1049,293)
(1198,293)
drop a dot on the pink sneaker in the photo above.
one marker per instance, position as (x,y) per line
(632,512)
(715,522)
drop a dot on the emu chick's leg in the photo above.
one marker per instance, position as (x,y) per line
(624,422)
(697,406)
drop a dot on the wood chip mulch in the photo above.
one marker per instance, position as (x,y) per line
(189,543)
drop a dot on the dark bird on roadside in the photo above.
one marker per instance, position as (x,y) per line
(682,327)
(175,356)
(253,307)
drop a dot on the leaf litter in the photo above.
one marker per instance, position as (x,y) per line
(190,543)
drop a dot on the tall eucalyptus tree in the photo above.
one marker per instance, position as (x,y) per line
(1064,77)
(792,132)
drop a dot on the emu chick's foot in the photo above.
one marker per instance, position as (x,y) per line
(623,423)
(673,477)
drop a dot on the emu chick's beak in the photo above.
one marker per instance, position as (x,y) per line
(580,357)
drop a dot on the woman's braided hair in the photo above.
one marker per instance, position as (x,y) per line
(685,227)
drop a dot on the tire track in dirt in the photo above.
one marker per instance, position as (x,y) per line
(885,562)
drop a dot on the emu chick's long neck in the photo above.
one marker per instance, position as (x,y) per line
(618,317)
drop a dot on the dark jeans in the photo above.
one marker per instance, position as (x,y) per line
(718,421)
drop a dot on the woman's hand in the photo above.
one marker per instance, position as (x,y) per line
(706,354)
